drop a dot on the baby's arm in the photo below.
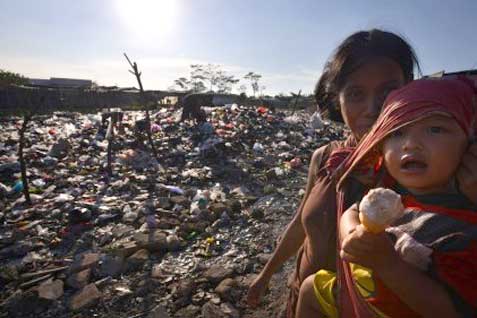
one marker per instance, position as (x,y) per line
(376,251)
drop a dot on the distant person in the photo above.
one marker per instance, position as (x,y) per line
(191,107)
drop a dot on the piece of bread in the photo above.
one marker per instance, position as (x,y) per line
(379,208)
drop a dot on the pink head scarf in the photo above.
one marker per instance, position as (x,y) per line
(413,102)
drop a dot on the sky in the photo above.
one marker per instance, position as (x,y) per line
(285,41)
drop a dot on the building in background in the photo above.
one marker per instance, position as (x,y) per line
(471,74)
(58,82)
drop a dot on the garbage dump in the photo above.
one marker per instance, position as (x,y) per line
(177,236)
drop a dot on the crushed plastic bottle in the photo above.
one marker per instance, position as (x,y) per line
(258,147)
(18,187)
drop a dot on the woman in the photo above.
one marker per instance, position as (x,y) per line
(354,84)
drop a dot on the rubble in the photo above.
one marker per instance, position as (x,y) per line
(180,236)
(51,289)
(87,296)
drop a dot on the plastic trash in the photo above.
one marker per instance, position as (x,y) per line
(258,147)
(295,163)
(173,189)
(68,129)
(316,122)
(292,120)
(262,110)
(206,128)
(216,193)
(18,187)
(155,128)
(200,199)
(64,197)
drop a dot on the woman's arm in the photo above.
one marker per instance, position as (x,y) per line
(291,240)
(376,251)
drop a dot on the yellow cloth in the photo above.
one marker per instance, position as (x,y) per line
(324,284)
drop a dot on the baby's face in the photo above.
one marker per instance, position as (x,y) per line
(424,156)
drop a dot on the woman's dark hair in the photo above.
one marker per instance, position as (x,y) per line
(355,51)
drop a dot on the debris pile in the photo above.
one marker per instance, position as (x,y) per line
(180,236)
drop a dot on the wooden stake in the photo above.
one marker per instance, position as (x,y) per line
(136,73)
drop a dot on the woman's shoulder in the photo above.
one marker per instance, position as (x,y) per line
(321,155)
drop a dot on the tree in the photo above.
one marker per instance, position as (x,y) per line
(211,75)
(243,89)
(9,78)
(225,83)
(262,89)
(197,78)
(253,78)
(183,83)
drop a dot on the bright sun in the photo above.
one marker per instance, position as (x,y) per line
(148,18)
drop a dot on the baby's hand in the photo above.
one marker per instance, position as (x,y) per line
(375,251)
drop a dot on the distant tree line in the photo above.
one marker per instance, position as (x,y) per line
(10,78)
(212,78)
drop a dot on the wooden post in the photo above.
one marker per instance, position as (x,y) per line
(110,138)
(23,167)
(136,73)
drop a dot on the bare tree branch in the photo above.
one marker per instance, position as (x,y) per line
(146,104)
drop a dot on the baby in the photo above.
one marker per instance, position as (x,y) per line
(414,148)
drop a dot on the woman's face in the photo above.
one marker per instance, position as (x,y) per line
(364,92)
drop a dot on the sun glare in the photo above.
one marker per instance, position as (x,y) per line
(148,18)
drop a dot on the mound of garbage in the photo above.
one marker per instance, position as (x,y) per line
(180,235)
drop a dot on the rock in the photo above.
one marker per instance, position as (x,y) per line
(180,200)
(173,242)
(19,249)
(164,202)
(185,288)
(80,279)
(4,190)
(157,271)
(217,273)
(210,310)
(10,167)
(121,229)
(263,258)
(60,148)
(228,290)
(158,312)
(87,296)
(78,215)
(51,289)
(126,249)
(153,241)
(218,207)
(9,273)
(137,259)
(257,213)
(235,206)
(49,161)
(191,311)
(111,265)
(130,217)
(22,304)
(85,260)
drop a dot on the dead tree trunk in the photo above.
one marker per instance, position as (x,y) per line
(110,138)
(296,102)
(21,158)
(136,73)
